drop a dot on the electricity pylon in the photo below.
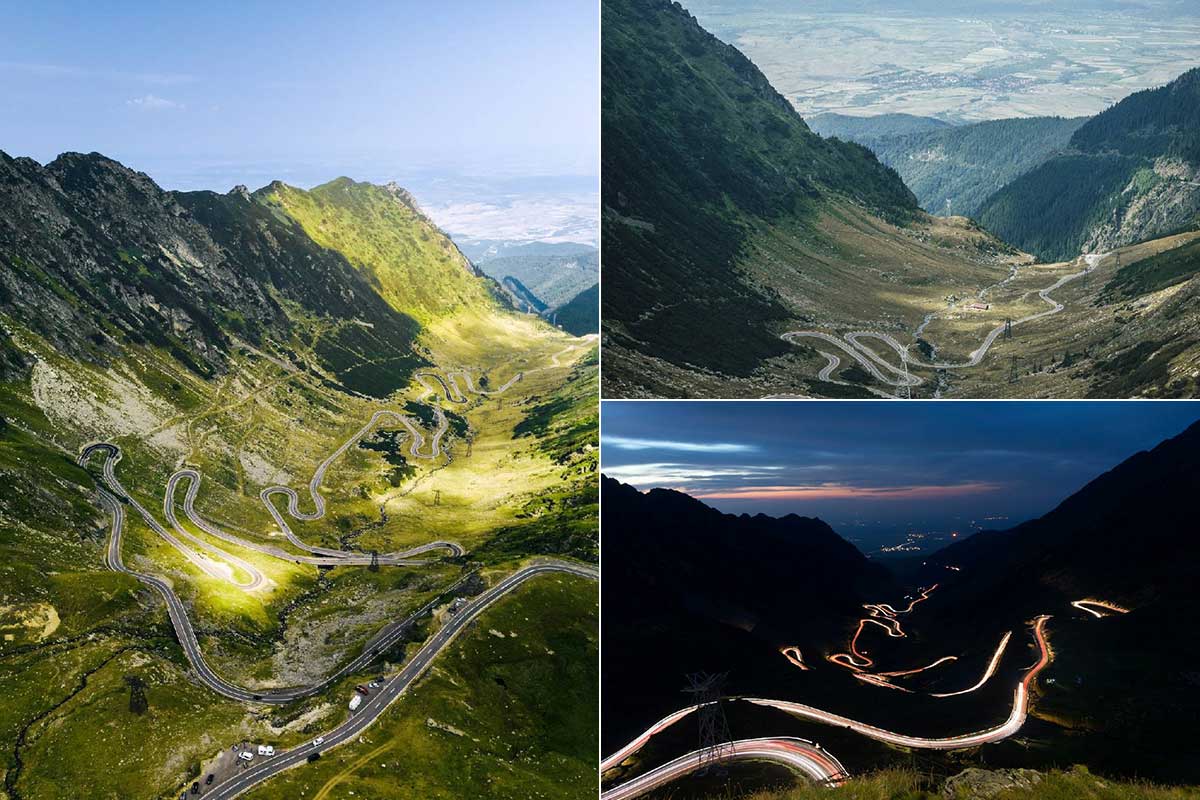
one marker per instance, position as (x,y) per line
(715,739)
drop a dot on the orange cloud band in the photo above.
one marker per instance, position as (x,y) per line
(839,491)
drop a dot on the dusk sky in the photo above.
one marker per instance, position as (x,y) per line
(464,102)
(872,469)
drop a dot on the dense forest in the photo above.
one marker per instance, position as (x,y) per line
(1128,174)
(958,168)
(1049,210)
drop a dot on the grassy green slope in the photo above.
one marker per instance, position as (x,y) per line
(278,404)
(699,148)
(508,711)
(411,263)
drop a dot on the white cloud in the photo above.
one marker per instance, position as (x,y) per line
(542,217)
(153,102)
(683,475)
(631,443)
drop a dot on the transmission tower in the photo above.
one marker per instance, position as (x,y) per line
(374,561)
(1012,372)
(1008,328)
(437,497)
(715,739)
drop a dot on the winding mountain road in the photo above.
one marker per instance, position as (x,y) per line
(393,687)
(111,497)
(114,498)
(1013,723)
(890,374)
(800,755)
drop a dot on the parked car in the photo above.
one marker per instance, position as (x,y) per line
(246,755)
(208,781)
(362,689)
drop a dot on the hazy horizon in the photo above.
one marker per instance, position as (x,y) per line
(874,470)
(960,63)
(478,108)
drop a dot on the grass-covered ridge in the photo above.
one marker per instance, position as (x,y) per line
(508,711)
(260,402)
(412,264)
(698,149)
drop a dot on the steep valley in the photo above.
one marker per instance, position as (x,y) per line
(249,336)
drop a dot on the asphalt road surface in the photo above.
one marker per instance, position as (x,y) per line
(375,704)
(890,374)
(186,633)
(114,498)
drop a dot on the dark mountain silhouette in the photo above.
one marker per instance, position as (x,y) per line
(1128,536)
(687,587)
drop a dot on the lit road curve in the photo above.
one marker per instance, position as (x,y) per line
(883,615)
(1010,726)
(394,687)
(1099,608)
(798,754)
(987,673)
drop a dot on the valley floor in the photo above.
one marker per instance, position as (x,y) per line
(516,479)
(1071,334)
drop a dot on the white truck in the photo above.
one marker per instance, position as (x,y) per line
(355,702)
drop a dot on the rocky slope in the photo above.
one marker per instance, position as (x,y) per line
(97,256)
(1128,174)
(726,219)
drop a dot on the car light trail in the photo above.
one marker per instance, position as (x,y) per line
(1101,607)
(637,744)
(793,655)
(883,615)
(987,673)
(800,755)
(1016,717)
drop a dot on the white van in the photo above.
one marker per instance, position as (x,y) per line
(266,750)
(355,702)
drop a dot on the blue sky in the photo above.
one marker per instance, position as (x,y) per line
(443,96)
(875,468)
